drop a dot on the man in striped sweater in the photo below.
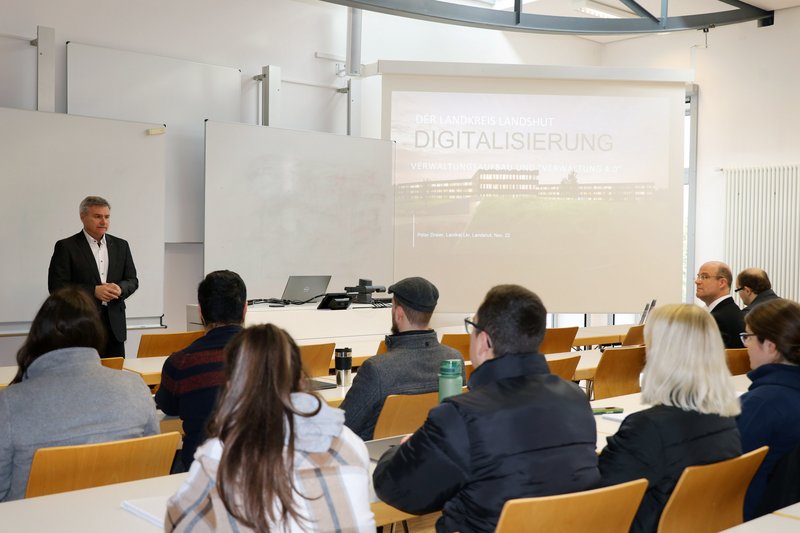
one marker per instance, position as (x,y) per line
(192,377)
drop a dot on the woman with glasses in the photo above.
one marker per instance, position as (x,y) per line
(687,382)
(771,408)
(278,458)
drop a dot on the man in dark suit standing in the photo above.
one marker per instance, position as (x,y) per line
(99,264)
(713,287)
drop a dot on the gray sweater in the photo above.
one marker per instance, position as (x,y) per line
(409,366)
(67,397)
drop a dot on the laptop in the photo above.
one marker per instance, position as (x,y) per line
(302,288)
(376,448)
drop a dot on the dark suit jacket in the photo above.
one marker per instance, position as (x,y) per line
(730,321)
(760,298)
(73,264)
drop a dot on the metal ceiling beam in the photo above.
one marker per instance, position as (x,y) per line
(437,11)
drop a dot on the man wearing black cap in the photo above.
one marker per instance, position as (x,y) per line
(411,362)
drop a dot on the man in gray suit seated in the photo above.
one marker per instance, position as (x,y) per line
(411,362)
(754,288)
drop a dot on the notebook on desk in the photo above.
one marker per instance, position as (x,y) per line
(302,288)
(152,509)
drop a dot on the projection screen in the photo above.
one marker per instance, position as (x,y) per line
(570,187)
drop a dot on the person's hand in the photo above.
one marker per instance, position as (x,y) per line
(404,439)
(107,292)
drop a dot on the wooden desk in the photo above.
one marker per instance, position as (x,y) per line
(335,396)
(586,366)
(594,335)
(776,522)
(98,509)
(147,367)
(88,510)
(632,403)
(7,373)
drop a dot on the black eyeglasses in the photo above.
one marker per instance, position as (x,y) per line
(743,335)
(739,289)
(471,326)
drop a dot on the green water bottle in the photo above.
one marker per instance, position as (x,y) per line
(449,378)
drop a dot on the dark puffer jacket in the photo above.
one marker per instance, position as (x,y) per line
(519,432)
(770,416)
(657,444)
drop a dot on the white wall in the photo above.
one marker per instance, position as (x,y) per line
(749,78)
(248,34)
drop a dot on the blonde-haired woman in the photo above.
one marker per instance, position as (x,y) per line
(687,382)
(279,458)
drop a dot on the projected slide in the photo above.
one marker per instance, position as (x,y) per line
(494,188)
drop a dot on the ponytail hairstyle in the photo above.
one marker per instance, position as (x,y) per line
(778,321)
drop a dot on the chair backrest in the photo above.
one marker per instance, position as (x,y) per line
(158,344)
(635,336)
(558,340)
(65,468)
(459,341)
(711,497)
(381,348)
(564,367)
(316,358)
(605,510)
(404,413)
(618,372)
(738,361)
(113,362)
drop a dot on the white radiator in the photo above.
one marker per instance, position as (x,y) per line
(762,224)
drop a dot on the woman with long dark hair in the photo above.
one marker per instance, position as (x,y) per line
(771,407)
(279,458)
(62,395)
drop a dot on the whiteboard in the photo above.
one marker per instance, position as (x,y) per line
(284,202)
(102,82)
(48,163)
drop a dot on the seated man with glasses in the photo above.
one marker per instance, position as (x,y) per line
(410,364)
(519,432)
(713,287)
(754,288)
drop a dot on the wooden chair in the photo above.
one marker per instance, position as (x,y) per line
(404,413)
(565,367)
(381,348)
(459,341)
(558,340)
(738,361)
(710,497)
(113,362)
(618,372)
(158,344)
(635,336)
(65,468)
(316,358)
(604,510)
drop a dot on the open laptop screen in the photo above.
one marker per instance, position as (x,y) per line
(301,288)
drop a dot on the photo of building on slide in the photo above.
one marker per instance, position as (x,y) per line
(566,174)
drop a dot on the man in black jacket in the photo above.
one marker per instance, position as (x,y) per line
(101,265)
(519,432)
(754,288)
(713,287)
